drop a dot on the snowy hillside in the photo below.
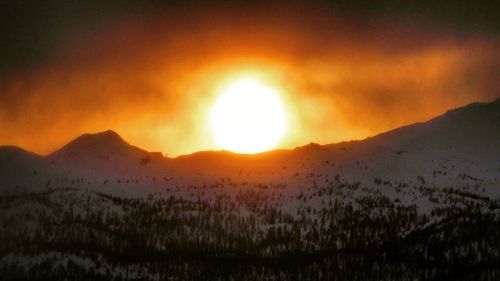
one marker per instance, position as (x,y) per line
(462,142)
(420,202)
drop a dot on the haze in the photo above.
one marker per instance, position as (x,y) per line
(153,77)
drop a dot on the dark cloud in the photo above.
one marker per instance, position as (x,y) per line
(33,32)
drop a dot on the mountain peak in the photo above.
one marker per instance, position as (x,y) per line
(104,135)
(102,145)
(105,140)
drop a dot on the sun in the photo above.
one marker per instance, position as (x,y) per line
(248,117)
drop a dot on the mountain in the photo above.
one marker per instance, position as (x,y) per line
(466,140)
(102,154)
(418,202)
(463,141)
(474,128)
(103,145)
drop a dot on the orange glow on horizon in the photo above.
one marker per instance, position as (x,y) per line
(155,81)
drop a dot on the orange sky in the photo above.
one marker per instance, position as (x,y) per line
(153,79)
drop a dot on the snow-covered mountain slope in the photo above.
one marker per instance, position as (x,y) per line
(96,151)
(104,154)
(418,202)
(463,143)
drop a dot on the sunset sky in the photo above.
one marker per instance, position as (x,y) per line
(152,70)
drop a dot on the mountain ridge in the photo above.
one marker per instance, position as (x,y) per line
(470,133)
(110,136)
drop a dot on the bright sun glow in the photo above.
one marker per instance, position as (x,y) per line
(248,117)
